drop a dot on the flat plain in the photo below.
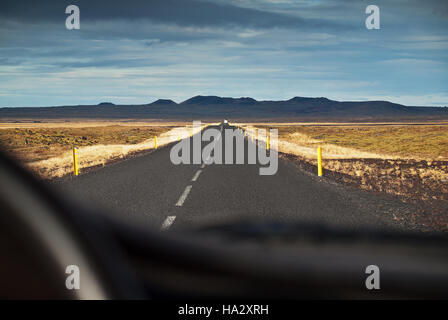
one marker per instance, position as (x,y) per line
(408,160)
(45,147)
(403,159)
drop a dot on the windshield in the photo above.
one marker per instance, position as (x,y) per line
(216,118)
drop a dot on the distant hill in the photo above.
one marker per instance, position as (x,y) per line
(164,102)
(214,107)
(214,100)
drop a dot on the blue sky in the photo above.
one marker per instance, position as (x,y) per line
(135,52)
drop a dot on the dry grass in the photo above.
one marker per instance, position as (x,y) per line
(405,160)
(344,124)
(83,123)
(291,140)
(47,150)
(422,142)
(34,144)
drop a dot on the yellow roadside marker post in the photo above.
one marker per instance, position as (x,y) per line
(319,161)
(267,143)
(155,142)
(75,161)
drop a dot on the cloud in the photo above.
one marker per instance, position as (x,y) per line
(180,12)
(142,50)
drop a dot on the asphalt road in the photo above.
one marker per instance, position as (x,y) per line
(150,190)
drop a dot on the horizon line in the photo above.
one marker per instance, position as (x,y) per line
(221,97)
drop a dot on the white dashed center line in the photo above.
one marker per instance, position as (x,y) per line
(184,196)
(170,219)
(168,222)
(196,176)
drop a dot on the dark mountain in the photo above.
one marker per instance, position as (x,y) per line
(106,104)
(214,100)
(164,102)
(217,108)
(321,100)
